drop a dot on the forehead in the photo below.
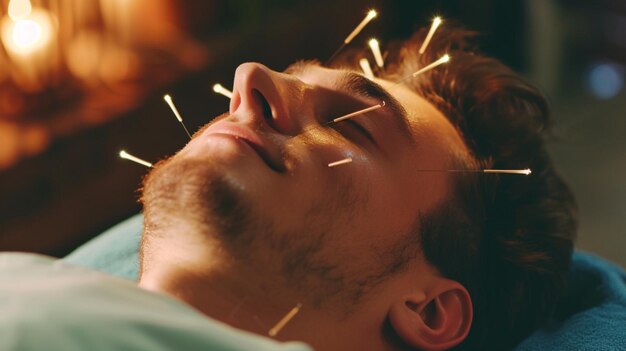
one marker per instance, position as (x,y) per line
(423,120)
(428,127)
(426,121)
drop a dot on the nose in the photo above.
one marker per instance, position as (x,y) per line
(260,93)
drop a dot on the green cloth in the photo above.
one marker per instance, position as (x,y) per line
(115,251)
(48,304)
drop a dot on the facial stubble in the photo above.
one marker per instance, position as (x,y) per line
(306,259)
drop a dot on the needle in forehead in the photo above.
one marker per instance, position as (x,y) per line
(444,59)
(378,57)
(429,36)
(367,69)
(370,16)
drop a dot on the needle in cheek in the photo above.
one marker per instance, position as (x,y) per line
(340,162)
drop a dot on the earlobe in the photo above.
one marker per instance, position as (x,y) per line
(438,321)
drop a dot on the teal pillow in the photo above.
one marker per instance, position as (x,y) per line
(115,251)
(48,304)
(596,300)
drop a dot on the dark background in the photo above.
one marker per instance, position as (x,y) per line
(575,51)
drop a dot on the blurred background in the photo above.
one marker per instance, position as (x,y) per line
(82,79)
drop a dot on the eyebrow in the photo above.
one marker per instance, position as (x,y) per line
(360,85)
(356,83)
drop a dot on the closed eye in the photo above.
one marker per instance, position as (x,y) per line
(355,126)
(361,129)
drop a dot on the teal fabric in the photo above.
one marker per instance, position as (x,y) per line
(48,304)
(115,251)
(593,315)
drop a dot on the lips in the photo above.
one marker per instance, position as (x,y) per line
(267,152)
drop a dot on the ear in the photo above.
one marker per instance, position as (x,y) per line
(435,320)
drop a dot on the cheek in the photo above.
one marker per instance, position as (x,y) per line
(311,192)
(391,208)
(319,147)
(400,194)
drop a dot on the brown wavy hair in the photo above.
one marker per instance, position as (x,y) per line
(507,238)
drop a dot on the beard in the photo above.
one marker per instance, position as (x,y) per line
(306,258)
(191,191)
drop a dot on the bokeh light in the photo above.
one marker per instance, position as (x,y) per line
(606,80)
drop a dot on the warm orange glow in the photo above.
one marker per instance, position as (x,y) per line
(26,33)
(25,36)
(19,9)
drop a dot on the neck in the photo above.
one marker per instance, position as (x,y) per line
(247,296)
(235,295)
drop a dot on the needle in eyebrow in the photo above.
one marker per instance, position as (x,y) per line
(340,162)
(345,117)
(370,16)
(367,69)
(218,88)
(356,113)
(127,156)
(373,43)
(429,36)
(169,101)
(281,324)
(445,58)
(526,171)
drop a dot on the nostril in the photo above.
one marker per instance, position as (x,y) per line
(266,108)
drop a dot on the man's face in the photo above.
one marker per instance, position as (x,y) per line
(257,181)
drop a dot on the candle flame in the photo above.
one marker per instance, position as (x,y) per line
(19,9)
(26,33)
(25,36)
